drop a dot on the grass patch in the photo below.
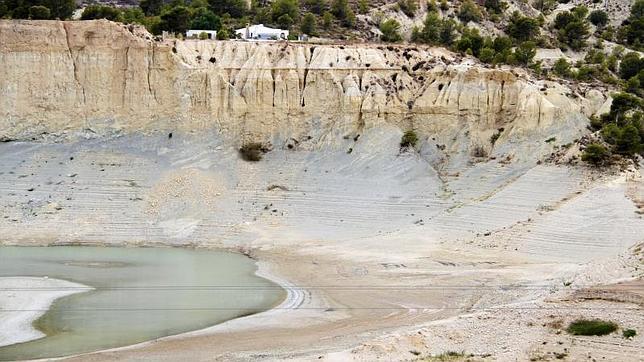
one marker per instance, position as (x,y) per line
(629,333)
(595,327)
(252,151)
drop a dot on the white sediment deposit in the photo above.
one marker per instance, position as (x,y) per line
(382,245)
(25,299)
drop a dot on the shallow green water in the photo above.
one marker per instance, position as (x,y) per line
(141,294)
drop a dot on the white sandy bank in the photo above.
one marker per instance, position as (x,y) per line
(23,300)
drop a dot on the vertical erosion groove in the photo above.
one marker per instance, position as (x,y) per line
(73,60)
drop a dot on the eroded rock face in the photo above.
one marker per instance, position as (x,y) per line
(102,77)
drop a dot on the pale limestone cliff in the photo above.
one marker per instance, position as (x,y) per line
(100,77)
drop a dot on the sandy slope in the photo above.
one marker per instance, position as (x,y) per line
(23,300)
(377,245)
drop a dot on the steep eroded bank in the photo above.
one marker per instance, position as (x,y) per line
(98,77)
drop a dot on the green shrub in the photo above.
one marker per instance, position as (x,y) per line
(502,43)
(495,6)
(339,8)
(350,20)
(285,12)
(205,19)
(327,20)
(595,327)
(432,7)
(599,18)
(630,65)
(35,9)
(633,30)
(309,24)
(409,139)
(586,73)
(100,12)
(595,56)
(523,28)
(39,12)
(432,28)
(363,6)
(390,31)
(470,41)
(408,7)
(252,151)
(544,6)
(629,333)
(135,16)
(318,6)
(624,103)
(572,27)
(223,34)
(235,8)
(595,154)
(561,68)
(469,11)
(487,55)
(525,52)
(435,30)
(176,19)
(629,142)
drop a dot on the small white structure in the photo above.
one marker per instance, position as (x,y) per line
(261,32)
(195,33)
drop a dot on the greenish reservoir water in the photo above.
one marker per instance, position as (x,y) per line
(140,294)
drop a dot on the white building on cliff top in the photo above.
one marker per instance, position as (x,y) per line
(210,34)
(261,32)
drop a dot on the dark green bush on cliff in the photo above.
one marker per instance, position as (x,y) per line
(390,31)
(599,18)
(595,327)
(572,27)
(469,11)
(39,12)
(622,128)
(408,7)
(35,9)
(632,31)
(523,28)
(595,154)
(100,12)
(435,30)
(252,151)
(629,333)
(409,139)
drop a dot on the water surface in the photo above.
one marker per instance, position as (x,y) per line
(141,294)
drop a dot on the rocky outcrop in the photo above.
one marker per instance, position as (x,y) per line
(100,77)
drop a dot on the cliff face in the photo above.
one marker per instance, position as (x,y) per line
(100,76)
